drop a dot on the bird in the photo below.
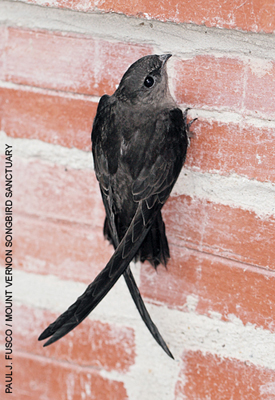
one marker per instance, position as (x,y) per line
(139,143)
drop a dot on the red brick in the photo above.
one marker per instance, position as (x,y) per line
(68,250)
(218,229)
(220,286)
(2,101)
(207,82)
(207,376)
(57,192)
(92,344)
(68,62)
(227,84)
(253,15)
(2,48)
(233,148)
(260,88)
(42,378)
(66,121)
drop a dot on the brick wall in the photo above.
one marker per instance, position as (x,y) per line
(215,304)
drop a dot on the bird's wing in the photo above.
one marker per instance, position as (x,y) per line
(150,191)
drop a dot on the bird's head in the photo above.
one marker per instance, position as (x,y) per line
(145,81)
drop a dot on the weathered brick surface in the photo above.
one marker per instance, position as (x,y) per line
(230,148)
(220,286)
(260,87)
(223,230)
(43,378)
(49,117)
(226,83)
(92,344)
(69,251)
(64,193)
(253,15)
(69,63)
(2,48)
(206,376)
(195,77)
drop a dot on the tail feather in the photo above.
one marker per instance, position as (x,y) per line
(155,247)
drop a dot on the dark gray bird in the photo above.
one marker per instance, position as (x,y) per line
(139,144)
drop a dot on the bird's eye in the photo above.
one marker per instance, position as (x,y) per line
(149,81)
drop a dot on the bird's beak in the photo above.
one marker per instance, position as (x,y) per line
(164,57)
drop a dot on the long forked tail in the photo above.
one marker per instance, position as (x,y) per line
(104,281)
